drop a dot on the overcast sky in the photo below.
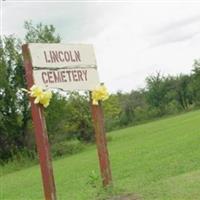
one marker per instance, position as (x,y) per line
(132,40)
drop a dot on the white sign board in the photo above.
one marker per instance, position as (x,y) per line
(67,67)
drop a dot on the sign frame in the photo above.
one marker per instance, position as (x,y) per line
(41,135)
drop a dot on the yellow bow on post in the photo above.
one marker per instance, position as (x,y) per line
(42,97)
(100,93)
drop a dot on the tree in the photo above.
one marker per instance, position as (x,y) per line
(184,91)
(156,95)
(112,112)
(40,33)
(69,117)
(195,83)
(14,112)
(11,100)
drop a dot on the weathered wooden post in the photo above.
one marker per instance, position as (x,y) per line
(101,143)
(40,133)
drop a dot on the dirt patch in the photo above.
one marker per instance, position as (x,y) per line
(126,197)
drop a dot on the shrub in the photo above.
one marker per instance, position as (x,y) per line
(66,148)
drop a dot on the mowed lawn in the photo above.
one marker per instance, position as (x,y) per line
(157,160)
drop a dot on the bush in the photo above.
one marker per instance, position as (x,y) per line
(20,159)
(66,148)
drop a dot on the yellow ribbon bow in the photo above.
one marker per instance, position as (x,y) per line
(100,93)
(42,97)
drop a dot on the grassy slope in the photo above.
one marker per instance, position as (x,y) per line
(158,160)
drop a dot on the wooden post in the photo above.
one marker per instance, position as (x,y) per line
(40,133)
(100,136)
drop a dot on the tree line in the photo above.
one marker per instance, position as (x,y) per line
(68,117)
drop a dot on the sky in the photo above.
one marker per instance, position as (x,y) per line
(132,39)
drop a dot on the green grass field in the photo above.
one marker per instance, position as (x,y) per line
(157,160)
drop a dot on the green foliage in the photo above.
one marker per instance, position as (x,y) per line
(183,90)
(72,118)
(123,109)
(112,111)
(55,115)
(66,148)
(169,94)
(40,33)
(157,93)
(14,111)
(79,116)
(94,179)
(196,81)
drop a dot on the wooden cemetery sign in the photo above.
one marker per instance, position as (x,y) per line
(69,68)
